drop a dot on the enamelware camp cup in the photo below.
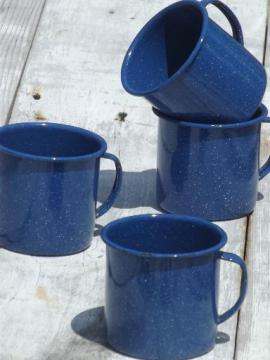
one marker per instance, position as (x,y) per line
(48,187)
(162,280)
(184,63)
(209,170)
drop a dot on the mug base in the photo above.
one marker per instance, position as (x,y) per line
(210,218)
(44,254)
(144,357)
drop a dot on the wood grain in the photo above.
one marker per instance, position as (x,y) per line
(18,22)
(52,307)
(254,326)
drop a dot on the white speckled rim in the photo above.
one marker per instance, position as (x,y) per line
(72,129)
(105,234)
(259,117)
(148,27)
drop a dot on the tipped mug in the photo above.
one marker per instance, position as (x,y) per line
(209,170)
(48,187)
(185,64)
(162,281)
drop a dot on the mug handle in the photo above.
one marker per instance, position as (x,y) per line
(265,169)
(234,22)
(237,260)
(102,209)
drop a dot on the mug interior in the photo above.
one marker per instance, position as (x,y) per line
(164,235)
(162,47)
(49,140)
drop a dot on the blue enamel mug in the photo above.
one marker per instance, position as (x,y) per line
(162,280)
(209,170)
(184,63)
(48,187)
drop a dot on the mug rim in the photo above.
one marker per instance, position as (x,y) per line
(199,253)
(234,125)
(145,28)
(73,129)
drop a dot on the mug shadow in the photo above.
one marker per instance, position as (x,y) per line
(91,325)
(97,229)
(138,189)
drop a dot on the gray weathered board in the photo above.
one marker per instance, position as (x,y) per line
(70,53)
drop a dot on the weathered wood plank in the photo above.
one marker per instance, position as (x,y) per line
(18,21)
(254,325)
(252,16)
(74,65)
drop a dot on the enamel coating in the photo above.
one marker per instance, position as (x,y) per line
(184,63)
(162,280)
(48,187)
(209,170)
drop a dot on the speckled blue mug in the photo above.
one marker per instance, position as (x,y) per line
(184,63)
(48,187)
(162,280)
(209,170)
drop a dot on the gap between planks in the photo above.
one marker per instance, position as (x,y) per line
(239,313)
(24,65)
(266,33)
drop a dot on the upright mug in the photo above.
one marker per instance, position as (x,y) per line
(184,63)
(162,280)
(48,187)
(209,170)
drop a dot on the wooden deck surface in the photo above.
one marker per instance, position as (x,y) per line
(70,53)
